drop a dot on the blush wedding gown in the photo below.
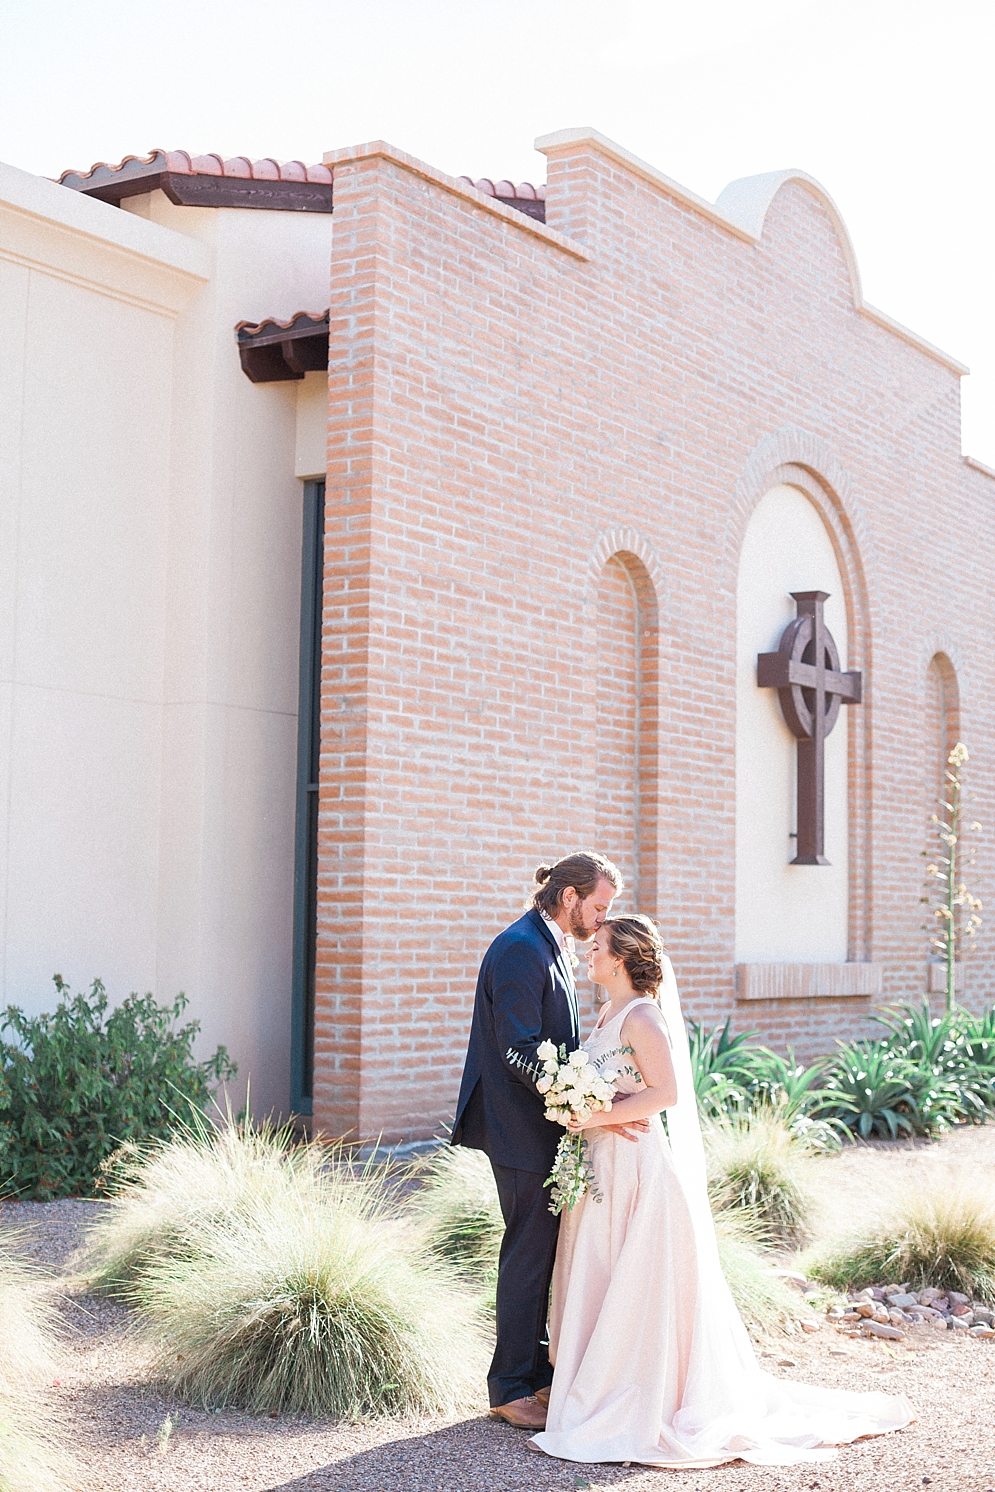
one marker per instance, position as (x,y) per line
(652,1363)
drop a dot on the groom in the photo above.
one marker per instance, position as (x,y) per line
(526,995)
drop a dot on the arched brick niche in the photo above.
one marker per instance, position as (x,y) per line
(790,1000)
(796,458)
(942,718)
(625,596)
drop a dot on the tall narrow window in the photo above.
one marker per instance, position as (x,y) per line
(943,720)
(306,855)
(626,806)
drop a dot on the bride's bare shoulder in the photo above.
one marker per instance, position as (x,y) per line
(646,1018)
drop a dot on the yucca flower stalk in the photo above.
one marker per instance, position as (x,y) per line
(959,912)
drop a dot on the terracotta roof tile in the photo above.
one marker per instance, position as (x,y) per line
(202,165)
(137,173)
(522,191)
(300,319)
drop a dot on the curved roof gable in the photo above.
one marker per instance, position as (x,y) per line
(747,202)
(742,209)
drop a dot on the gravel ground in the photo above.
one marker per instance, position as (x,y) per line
(115,1417)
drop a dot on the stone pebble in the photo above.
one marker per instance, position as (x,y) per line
(887,1310)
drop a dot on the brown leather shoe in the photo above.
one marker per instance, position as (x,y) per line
(542,1394)
(524,1414)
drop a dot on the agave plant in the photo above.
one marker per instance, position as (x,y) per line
(795,1093)
(919,1036)
(721,1065)
(955,1053)
(979,1042)
(872,1091)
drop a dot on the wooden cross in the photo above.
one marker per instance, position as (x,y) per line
(805,671)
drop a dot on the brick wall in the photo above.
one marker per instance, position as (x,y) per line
(504,418)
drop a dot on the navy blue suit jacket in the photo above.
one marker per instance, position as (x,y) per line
(525,996)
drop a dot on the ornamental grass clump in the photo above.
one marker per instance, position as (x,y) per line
(31,1456)
(940,1233)
(313,1304)
(162,1196)
(280,1279)
(757,1167)
(456,1205)
(762,1297)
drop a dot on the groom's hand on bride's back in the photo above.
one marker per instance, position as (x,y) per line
(630,1131)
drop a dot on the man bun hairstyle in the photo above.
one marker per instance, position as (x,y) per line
(582,871)
(637,942)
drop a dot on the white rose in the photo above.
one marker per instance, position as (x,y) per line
(578,1058)
(609,1075)
(544,1084)
(547,1051)
(590,1074)
(551,1067)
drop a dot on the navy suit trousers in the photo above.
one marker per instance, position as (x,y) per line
(521,1360)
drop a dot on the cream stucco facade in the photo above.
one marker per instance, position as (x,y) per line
(149,607)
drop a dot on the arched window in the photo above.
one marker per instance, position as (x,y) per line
(626,817)
(942,719)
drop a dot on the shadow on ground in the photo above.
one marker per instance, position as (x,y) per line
(474,1456)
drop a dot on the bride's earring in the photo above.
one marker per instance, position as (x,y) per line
(615,969)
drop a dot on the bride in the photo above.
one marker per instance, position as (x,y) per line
(652,1363)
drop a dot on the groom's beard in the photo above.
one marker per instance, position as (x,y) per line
(578,929)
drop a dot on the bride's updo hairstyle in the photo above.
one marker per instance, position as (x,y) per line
(636,941)
(582,871)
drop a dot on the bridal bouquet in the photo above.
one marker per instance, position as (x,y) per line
(573,1089)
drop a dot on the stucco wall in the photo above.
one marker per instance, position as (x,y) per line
(150,521)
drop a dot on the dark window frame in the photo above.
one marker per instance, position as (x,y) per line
(306,840)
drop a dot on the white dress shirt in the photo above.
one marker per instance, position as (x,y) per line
(558,932)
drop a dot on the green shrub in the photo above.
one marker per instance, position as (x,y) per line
(76,1084)
(32,1459)
(756,1166)
(874,1091)
(941,1233)
(954,1055)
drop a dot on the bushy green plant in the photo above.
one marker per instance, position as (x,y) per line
(954,1052)
(78,1083)
(756,1167)
(941,1232)
(32,1453)
(279,1279)
(873,1091)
